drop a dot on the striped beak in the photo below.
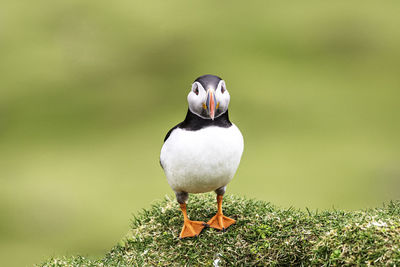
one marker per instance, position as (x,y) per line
(211,103)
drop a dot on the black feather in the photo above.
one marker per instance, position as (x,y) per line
(193,122)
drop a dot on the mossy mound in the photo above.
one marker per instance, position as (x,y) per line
(263,235)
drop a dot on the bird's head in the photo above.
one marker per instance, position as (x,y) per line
(208,97)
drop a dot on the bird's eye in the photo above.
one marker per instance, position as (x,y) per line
(222,89)
(196,90)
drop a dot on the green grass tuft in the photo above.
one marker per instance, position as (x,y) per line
(263,235)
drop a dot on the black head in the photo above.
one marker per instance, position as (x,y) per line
(208,81)
(208,97)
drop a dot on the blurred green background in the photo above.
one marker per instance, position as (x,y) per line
(88,90)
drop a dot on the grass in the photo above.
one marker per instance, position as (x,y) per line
(263,235)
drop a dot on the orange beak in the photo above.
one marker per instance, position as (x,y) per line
(211,103)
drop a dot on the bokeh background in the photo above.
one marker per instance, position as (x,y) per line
(88,90)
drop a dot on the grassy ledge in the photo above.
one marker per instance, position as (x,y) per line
(263,235)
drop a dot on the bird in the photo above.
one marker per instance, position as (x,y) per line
(202,153)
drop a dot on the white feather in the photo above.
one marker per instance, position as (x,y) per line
(203,160)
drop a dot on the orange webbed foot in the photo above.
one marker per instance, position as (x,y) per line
(220,222)
(191,228)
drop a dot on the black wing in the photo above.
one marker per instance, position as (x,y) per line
(170,131)
(166,137)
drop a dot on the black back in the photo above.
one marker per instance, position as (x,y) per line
(193,122)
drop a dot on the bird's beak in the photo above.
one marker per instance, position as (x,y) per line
(211,103)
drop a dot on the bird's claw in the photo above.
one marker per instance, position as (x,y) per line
(220,222)
(191,228)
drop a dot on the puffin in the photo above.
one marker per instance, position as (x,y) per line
(202,153)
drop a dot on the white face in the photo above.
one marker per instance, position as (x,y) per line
(208,103)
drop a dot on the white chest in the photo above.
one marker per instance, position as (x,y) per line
(203,160)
